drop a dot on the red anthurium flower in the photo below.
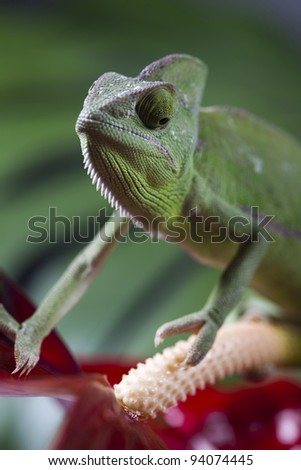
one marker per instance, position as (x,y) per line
(257,417)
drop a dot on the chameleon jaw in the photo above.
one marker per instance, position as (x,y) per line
(105,192)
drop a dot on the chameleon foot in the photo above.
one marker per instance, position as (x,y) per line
(200,322)
(27,349)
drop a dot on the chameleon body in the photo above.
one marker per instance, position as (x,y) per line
(161,158)
(157,154)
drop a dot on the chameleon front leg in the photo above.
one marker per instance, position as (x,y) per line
(224,298)
(65,293)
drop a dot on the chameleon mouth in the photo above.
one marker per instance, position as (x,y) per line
(105,192)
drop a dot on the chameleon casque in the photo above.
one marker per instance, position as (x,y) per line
(156,154)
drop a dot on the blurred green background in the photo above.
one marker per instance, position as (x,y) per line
(51,52)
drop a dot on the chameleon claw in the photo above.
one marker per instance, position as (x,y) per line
(25,365)
(27,350)
(202,344)
(187,324)
(199,323)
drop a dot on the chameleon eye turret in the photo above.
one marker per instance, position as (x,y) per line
(155,109)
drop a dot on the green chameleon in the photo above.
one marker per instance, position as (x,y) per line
(221,182)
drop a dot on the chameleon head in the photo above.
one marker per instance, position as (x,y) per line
(138,135)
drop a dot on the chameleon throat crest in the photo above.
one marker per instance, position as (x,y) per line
(100,185)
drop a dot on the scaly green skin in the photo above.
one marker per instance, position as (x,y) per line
(156,153)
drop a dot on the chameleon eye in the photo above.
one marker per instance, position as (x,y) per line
(155,109)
